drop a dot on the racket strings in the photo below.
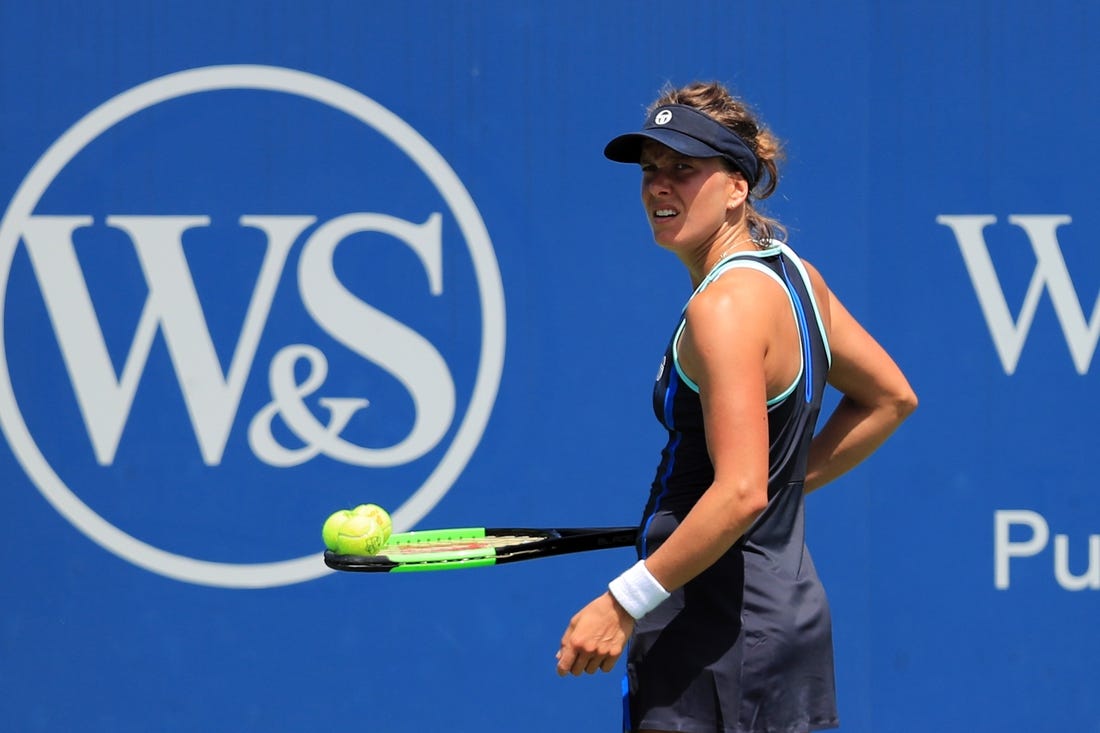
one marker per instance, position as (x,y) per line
(420,547)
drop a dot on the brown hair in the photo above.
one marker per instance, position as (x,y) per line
(714,100)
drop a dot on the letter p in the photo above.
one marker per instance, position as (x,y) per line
(1004,548)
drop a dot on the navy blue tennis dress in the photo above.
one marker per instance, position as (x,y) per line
(746,646)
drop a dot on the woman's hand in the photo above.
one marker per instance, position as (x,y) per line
(595,638)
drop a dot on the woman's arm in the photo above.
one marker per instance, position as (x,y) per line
(723,349)
(730,328)
(876,400)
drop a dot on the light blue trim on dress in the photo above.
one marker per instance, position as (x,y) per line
(740,260)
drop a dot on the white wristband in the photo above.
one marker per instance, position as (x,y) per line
(638,591)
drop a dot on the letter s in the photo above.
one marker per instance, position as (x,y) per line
(375,336)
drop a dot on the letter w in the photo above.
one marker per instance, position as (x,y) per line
(172,305)
(1050,272)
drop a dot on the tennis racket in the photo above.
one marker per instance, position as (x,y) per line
(475,547)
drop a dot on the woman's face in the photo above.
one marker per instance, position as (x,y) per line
(688,201)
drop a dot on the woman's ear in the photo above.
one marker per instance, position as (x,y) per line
(738,190)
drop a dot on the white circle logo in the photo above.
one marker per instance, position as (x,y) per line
(663,117)
(314,277)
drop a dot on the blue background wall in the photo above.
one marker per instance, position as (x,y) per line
(903,121)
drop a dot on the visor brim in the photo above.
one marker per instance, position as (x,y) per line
(628,148)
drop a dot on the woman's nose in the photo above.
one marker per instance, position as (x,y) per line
(656,184)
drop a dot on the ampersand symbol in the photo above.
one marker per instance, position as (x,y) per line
(287,403)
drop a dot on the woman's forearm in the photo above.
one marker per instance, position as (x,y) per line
(852,433)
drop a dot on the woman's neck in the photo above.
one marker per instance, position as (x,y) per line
(734,239)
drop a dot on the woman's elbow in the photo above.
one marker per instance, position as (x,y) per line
(751,503)
(904,403)
(739,503)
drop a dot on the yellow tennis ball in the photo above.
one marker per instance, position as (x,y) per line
(331,528)
(361,534)
(380,516)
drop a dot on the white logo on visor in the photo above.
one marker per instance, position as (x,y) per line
(663,117)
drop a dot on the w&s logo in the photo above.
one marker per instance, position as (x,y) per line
(298,297)
(1051,275)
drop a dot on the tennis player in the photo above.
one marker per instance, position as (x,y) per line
(727,620)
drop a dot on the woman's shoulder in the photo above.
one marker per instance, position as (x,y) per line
(743,287)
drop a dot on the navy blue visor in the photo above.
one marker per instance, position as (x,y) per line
(689,132)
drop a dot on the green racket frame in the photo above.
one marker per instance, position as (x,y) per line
(474,547)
